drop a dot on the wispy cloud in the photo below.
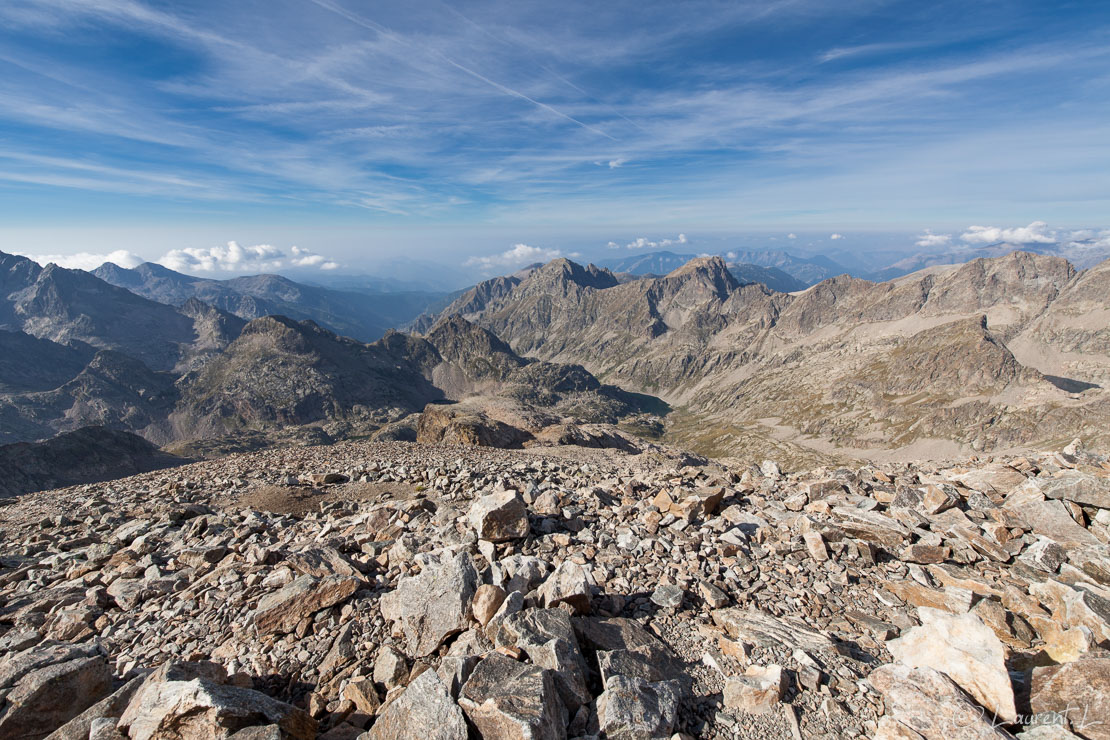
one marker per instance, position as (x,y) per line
(1035,233)
(643,242)
(518,255)
(87,260)
(239,259)
(930,240)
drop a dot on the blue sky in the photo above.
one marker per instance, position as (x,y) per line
(364,132)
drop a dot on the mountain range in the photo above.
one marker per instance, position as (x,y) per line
(365,315)
(998,353)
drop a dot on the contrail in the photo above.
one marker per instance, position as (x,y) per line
(374,26)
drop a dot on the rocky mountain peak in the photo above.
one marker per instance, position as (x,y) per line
(709,272)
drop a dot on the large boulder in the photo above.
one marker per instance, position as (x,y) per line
(433,605)
(635,709)
(424,711)
(48,685)
(932,705)
(188,701)
(547,637)
(499,517)
(284,609)
(508,700)
(1079,692)
(964,649)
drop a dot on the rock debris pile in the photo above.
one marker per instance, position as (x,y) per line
(393,590)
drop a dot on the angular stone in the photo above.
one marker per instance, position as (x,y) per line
(931,704)
(547,637)
(1051,519)
(667,596)
(1080,691)
(390,668)
(758,691)
(964,649)
(760,628)
(635,709)
(487,600)
(925,554)
(515,701)
(1045,555)
(499,517)
(815,544)
(321,562)
(1075,606)
(200,707)
(364,696)
(323,479)
(1082,488)
(432,606)
(424,711)
(570,584)
(48,696)
(284,609)
(110,707)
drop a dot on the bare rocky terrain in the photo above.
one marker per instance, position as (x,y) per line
(399,590)
(993,355)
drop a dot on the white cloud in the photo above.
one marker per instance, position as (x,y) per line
(791,236)
(615,163)
(836,236)
(518,256)
(237,258)
(929,239)
(87,260)
(645,243)
(1035,233)
(730,255)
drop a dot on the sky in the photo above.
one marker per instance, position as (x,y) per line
(335,135)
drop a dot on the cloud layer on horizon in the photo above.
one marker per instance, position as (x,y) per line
(231,259)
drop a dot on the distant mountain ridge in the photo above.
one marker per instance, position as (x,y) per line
(776,269)
(991,352)
(363,316)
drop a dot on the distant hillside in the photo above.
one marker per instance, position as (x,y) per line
(780,271)
(361,315)
(87,455)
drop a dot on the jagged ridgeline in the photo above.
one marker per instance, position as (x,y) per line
(998,353)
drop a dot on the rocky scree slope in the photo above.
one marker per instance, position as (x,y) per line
(821,369)
(392,590)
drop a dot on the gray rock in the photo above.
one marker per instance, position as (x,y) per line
(424,711)
(667,596)
(430,607)
(284,609)
(47,697)
(514,701)
(499,517)
(547,638)
(635,709)
(570,584)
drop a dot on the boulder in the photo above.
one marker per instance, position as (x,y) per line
(1079,692)
(284,609)
(547,637)
(188,701)
(635,709)
(570,584)
(499,517)
(45,697)
(964,649)
(508,700)
(758,691)
(932,705)
(423,711)
(433,605)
